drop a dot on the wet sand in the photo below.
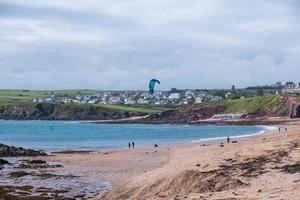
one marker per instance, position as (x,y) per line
(259,167)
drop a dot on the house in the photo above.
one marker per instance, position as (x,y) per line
(291,88)
(129,101)
(228,95)
(174,96)
(198,100)
(115,100)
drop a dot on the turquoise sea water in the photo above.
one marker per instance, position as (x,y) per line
(84,136)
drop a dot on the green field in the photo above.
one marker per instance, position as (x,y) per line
(12,97)
(134,108)
(17,97)
(254,105)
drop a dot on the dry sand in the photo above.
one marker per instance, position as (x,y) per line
(262,167)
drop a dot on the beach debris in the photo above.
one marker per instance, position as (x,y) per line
(73,152)
(253,167)
(37,164)
(221,145)
(26,192)
(291,169)
(18,174)
(234,141)
(12,151)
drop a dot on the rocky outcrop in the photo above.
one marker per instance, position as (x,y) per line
(62,112)
(184,114)
(3,162)
(295,107)
(207,113)
(11,151)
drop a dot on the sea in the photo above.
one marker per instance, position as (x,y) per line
(72,135)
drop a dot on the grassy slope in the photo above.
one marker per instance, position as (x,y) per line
(11,97)
(255,105)
(121,107)
(134,108)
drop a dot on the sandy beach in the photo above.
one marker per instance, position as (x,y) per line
(259,167)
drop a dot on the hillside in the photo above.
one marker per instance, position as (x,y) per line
(247,109)
(269,105)
(43,111)
(17,104)
(13,97)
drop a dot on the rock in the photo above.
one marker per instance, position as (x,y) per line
(4,162)
(48,111)
(38,162)
(12,151)
(18,174)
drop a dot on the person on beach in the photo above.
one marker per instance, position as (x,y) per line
(133,145)
(228,140)
(279,129)
(129,144)
(155,145)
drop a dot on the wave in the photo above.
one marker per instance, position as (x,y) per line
(265,129)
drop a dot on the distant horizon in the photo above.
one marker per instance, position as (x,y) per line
(121,45)
(146,89)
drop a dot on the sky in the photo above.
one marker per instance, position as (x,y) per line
(122,44)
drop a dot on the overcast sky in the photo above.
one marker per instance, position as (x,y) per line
(121,44)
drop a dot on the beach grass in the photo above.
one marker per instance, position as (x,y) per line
(254,104)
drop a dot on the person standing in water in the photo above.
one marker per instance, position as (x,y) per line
(228,140)
(129,144)
(133,145)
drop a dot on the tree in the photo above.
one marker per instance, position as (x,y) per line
(233,91)
(260,92)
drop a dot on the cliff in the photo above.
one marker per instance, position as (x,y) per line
(62,112)
(248,110)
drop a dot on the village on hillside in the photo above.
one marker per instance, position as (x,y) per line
(174,96)
(134,97)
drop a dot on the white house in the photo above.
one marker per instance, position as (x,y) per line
(129,101)
(198,100)
(174,96)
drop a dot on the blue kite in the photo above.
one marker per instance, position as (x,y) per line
(152,85)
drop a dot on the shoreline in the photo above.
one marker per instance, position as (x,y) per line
(137,173)
(188,156)
(180,142)
(139,120)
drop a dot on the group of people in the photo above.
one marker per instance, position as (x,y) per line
(131,145)
(279,129)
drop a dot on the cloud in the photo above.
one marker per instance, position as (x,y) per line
(114,44)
